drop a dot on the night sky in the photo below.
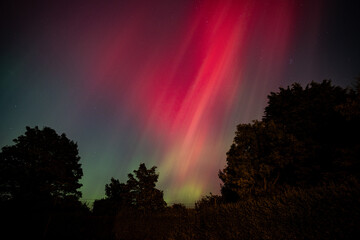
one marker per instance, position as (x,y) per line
(163,82)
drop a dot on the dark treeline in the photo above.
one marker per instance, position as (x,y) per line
(292,175)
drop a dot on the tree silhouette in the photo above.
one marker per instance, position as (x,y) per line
(307,136)
(261,158)
(117,191)
(139,193)
(42,167)
(143,191)
(313,116)
(117,197)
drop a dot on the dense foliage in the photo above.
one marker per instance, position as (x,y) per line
(308,136)
(42,166)
(327,211)
(39,186)
(138,193)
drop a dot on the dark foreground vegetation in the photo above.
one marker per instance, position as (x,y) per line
(293,175)
(325,212)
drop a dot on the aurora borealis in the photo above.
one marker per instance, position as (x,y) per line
(162,82)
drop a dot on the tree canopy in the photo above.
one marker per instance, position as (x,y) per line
(40,166)
(307,136)
(143,193)
(139,192)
